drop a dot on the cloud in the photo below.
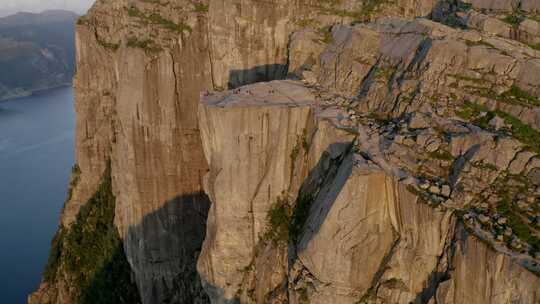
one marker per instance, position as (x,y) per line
(14,6)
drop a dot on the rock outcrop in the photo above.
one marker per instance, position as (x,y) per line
(399,154)
(248,138)
(369,236)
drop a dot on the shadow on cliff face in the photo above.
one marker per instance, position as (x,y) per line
(326,179)
(163,250)
(322,186)
(459,164)
(267,72)
(112,283)
(89,256)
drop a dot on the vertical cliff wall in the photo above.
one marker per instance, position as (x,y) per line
(141,67)
(248,143)
(261,142)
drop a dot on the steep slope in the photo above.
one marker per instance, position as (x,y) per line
(258,172)
(37,51)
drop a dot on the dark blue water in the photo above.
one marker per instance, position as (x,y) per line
(36,155)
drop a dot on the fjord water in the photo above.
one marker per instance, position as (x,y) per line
(36,156)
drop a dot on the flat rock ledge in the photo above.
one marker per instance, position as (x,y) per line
(274,93)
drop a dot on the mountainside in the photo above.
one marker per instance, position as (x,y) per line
(339,151)
(37,51)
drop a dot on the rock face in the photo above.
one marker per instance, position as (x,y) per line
(248,140)
(400,154)
(367,236)
(136,107)
(484,276)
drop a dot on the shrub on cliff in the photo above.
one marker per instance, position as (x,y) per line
(91,255)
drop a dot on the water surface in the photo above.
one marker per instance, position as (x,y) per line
(36,156)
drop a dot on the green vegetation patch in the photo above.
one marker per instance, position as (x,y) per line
(146,44)
(278,218)
(306,22)
(477,82)
(285,222)
(55,255)
(395,283)
(462,6)
(303,296)
(326,35)
(82,20)
(535,46)
(508,188)
(301,143)
(480,116)
(522,131)
(370,7)
(484,166)
(514,95)
(200,7)
(469,111)
(91,255)
(480,42)
(300,216)
(515,221)
(157,19)
(75,178)
(108,45)
(135,12)
(514,20)
(385,72)
(441,155)
(363,14)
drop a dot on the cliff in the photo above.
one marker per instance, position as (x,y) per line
(37,52)
(401,154)
(330,217)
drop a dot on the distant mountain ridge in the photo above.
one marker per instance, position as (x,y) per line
(45,17)
(37,52)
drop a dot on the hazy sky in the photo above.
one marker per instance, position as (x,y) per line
(13,6)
